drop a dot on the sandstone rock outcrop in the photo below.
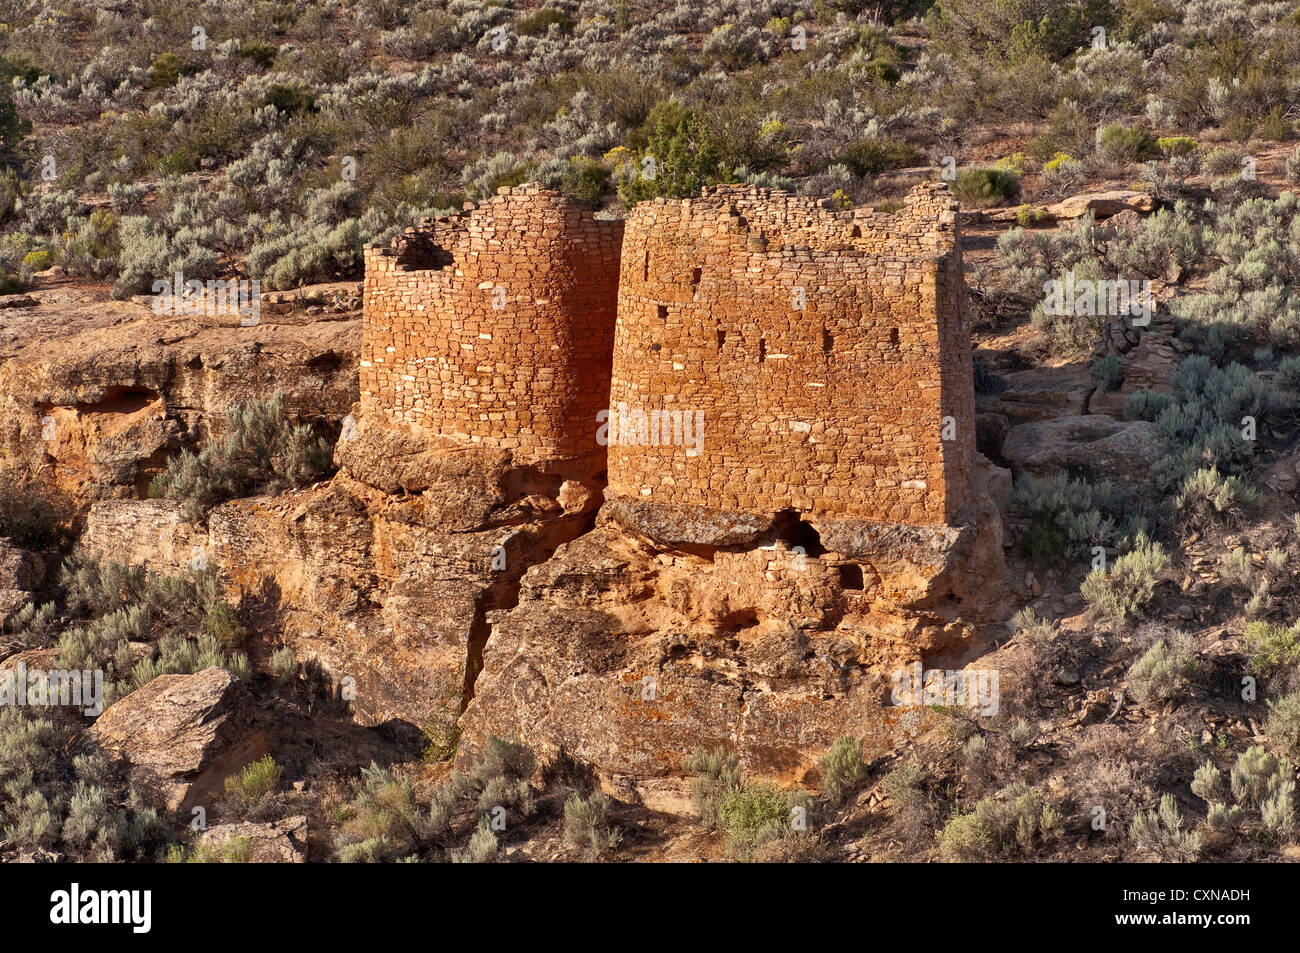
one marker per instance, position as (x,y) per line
(1121,451)
(628,653)
(96,394)
(1102,204)
(182,736)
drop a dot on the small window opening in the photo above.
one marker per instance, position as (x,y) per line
(828,341)
(851,577)
(893,337)
(663,312)
(762,350)
(722,338)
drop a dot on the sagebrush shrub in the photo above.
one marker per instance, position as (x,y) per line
(983,188)
(1164,671)
(586,825)
(1108,372)
(1125,143)
(1161,832)
(1016,817)
(842,768)
(261,452)
(1123,593)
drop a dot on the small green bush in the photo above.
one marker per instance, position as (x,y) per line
(284,664)
(1068,515)
(290,99)
(260,452)
(1108,372)
(1117,143)
(1162,674)
(1161,832)
(1207,493)
(252,786)
(482,848)
(983,188)
(1030,216)
(752,814)
(1288,373)
(1015,817)
(870,157)
(1271,647)
(586,825)
(538,23)
(1125,592)
(842,768)
(1223,161)
(1170,146)
(1282,726)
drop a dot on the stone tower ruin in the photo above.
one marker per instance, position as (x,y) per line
(825,357)
(493,328)
(743,352)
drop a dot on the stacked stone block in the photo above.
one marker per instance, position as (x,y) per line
(824,353)
(494,327)
(827,354)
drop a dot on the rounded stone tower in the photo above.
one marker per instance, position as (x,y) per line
(493,328)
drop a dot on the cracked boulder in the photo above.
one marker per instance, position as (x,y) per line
(182,736)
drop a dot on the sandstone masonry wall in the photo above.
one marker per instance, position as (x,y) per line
(752,351)
(820,351)
(494,327)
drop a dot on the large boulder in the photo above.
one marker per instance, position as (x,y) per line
(1102,204)
(1122,451)
(182,736)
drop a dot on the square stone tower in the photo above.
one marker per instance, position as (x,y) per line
(810,360)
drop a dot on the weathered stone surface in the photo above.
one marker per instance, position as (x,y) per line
(751,320)
(1119,450)
(277,842)
(150,533)
(1042,393)
(94,394)
(1149,366)
(758,646)
(182,736)
(698,525)
(1102,204)
(20,572)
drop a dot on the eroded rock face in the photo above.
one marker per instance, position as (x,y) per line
(628,652)
(182,736)
(94,394)
(387,592)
